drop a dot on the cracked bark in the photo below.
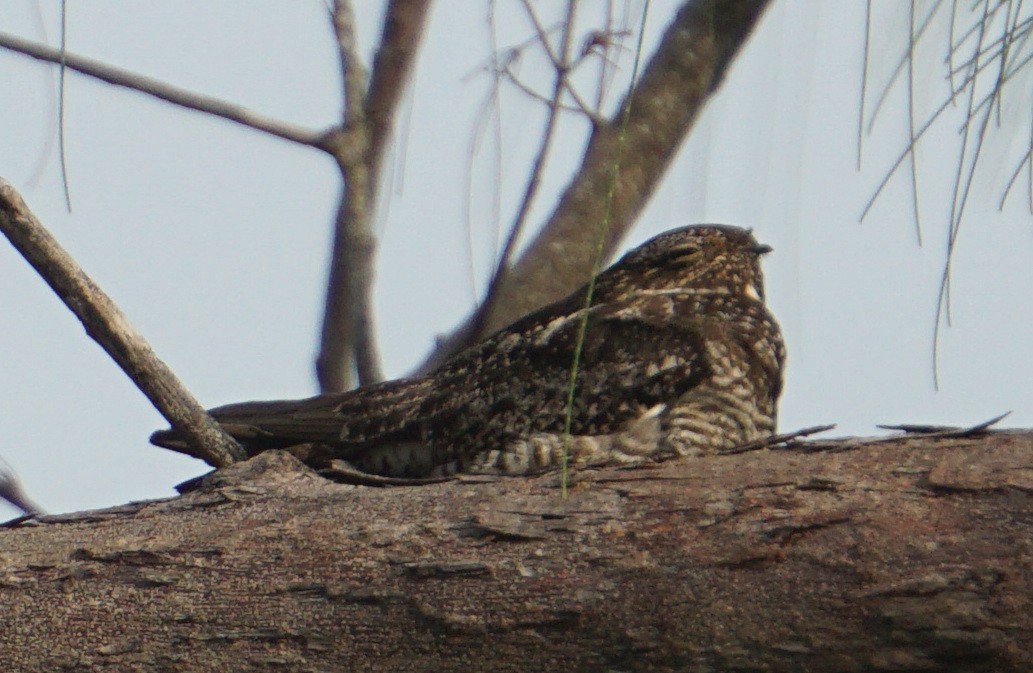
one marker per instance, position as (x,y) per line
(911,554)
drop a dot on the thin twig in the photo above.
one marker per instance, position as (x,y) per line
(864,79)
(915,205)
(513,79)
(489,114)
(777,440)
(946,431)
(609,37)
(106,325)
(61,107)
(167,92)
(561,63)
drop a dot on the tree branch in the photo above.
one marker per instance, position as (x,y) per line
(347,339)
(874,556)
(167,92)
(106,325)
(347,315)
(404,21)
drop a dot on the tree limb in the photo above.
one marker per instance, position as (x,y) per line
(347,339)
(897,555)
(404,21)
(167,92)
(106,325)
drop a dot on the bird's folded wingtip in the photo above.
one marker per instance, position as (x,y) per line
(168,439)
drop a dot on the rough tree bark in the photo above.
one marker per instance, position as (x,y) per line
(905,554)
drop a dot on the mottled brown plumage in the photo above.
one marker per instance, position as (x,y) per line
(680,356)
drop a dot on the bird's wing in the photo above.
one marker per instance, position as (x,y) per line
(380,410)
(636,352)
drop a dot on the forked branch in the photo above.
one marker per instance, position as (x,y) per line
(347,345)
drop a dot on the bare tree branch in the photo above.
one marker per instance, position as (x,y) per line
(106,325)
(404,21)
(167,92)
(348,293)
(347,339)
(688,66)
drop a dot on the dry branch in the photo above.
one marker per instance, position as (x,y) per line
(106,325)
(166,92)
(898,555)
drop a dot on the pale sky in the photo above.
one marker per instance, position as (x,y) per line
(213,238)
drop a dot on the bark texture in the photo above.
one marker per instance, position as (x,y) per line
(909,554)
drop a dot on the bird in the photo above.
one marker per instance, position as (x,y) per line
(678,355)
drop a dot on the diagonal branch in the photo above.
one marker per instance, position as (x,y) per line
(167,92)
(106,325)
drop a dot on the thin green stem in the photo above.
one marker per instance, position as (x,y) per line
(604,226)
(62,153)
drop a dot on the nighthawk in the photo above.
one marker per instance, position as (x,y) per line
(680,356)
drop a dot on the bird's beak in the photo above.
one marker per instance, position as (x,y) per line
(762,249)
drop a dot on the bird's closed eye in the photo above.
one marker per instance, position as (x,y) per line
(685,255)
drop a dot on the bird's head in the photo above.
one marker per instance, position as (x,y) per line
(709,257)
